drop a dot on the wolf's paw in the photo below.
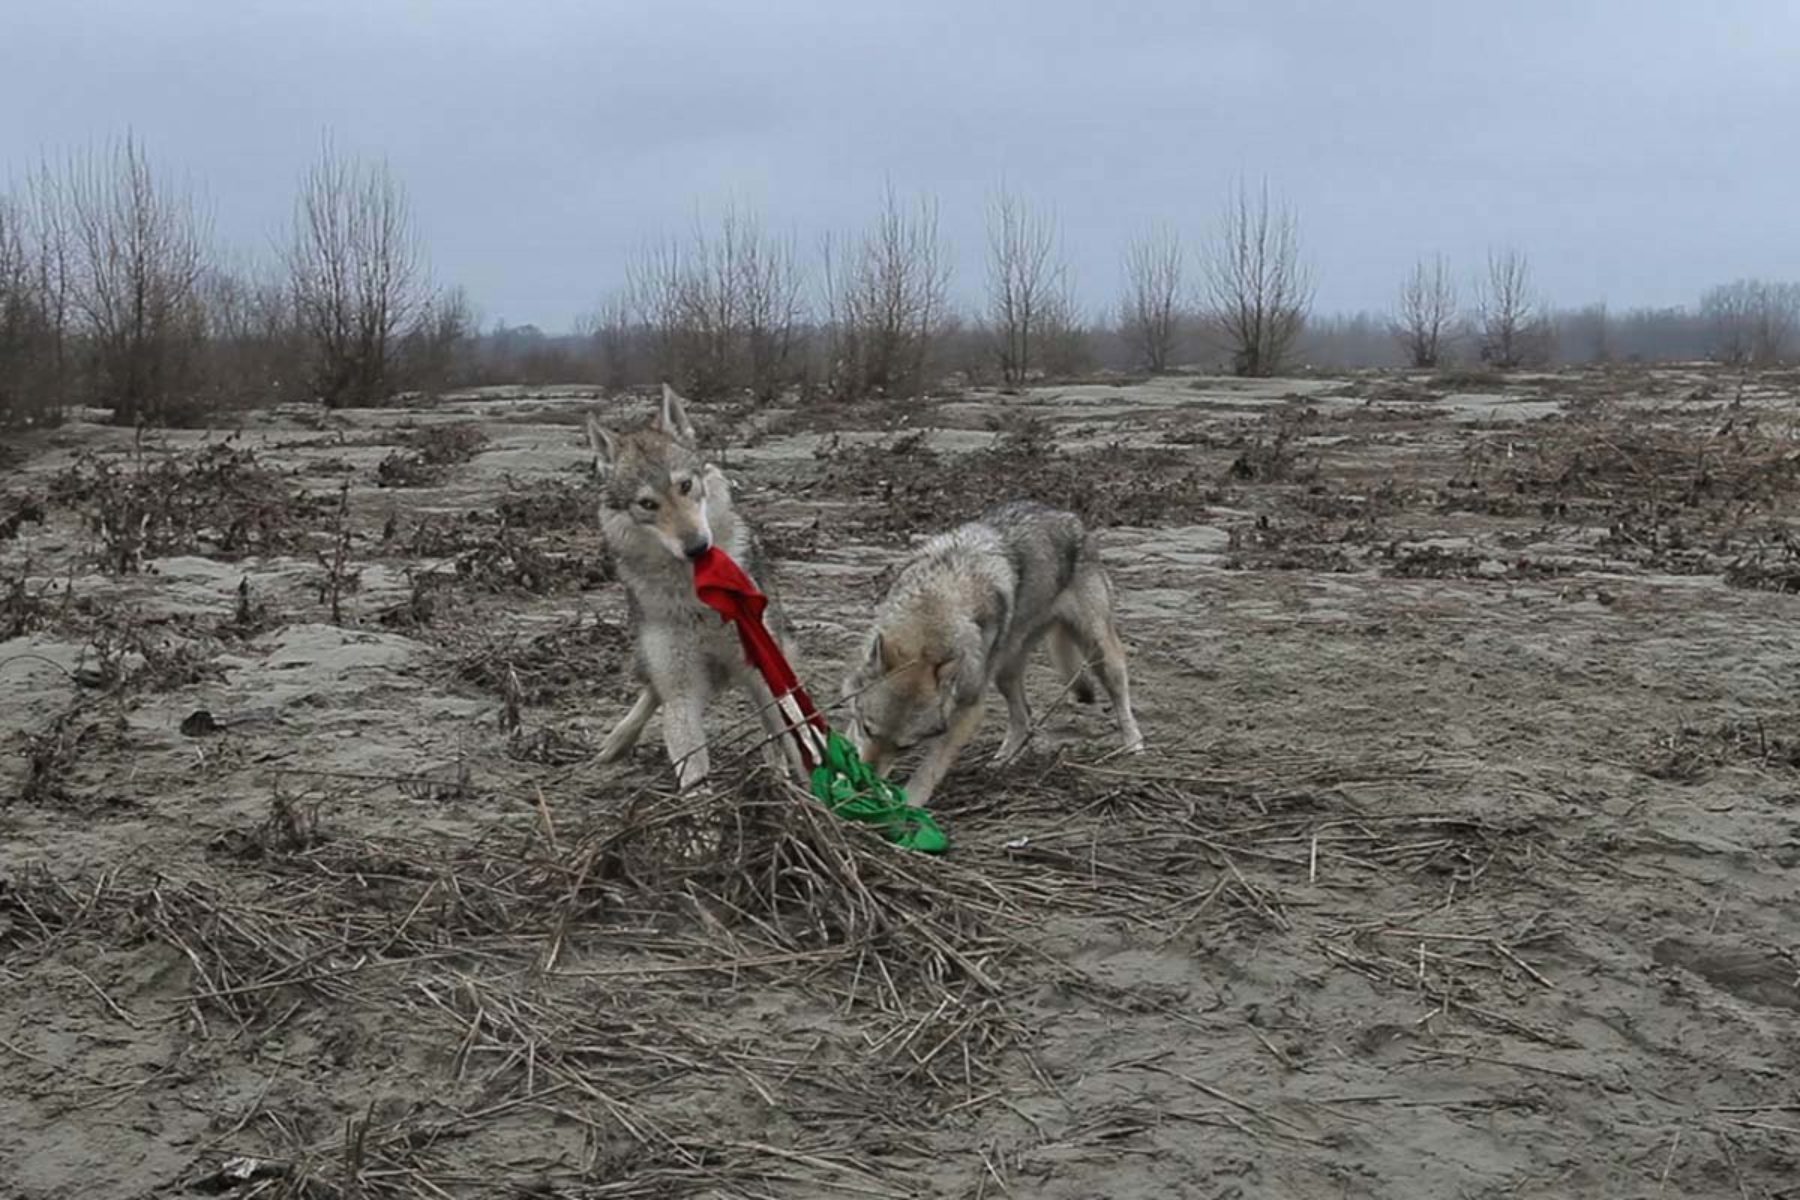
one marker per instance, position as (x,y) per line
(1008,753)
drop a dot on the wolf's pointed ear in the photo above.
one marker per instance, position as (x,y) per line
(672,418)
(606,449)
(877,658)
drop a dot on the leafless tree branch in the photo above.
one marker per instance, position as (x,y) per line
(1255,288)
(1426,317)
(356,270)
(1751,322)
(885,297)
(138,253)
(1028,284)
(1514,332)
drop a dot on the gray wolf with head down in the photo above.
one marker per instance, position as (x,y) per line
(965,612)
(662,506)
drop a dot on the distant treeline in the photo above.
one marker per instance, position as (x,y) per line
(114,293)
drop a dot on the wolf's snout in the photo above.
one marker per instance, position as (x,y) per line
(695,547)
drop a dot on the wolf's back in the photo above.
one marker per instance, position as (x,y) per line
(1045,546)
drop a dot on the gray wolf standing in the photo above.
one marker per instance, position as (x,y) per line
(966,611)
(662,506)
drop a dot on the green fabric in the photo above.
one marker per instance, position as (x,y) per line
(850,788)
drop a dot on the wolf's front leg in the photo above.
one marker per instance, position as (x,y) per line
(684,733)
(942,752)
(625,735)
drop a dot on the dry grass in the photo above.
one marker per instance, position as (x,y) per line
(556,959)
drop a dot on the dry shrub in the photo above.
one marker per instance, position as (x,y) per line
(1272,546)
(582,659)
(510,562)
(23,608)
(428,454)
(1616,461)
(1432,562)
(557,504)
(406,469)
(1467,379)
(1272,460)
(1684,501)
(448,445)
(1691,753)
(217,501)
(54,753)
(125,654)
(907,489)
(16,511)
(536,542)
(1773,568)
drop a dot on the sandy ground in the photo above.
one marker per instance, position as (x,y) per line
(1464,862)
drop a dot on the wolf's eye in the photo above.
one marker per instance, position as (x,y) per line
(687,485)
(648,505)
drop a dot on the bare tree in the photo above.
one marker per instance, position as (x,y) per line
(1150,312)
(357,275)
(1584,335)
(885,297)
(1426,318)
(724,310)
(1514,330)
(50,246)
(655,290)
(1255,288)
(22,325)
(432,353)
(1027,282)
(255,354)
(613,332)
(1752,322)
(766,273)
(1064,347)
(139,251)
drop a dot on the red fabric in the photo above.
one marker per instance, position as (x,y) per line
(723,587)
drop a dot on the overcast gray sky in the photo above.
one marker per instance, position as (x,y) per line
(1637,150)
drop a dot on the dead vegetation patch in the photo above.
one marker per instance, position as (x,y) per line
(579,659)
(218,501)
(55,754)
(553,966)
(1773,566)
(1467,379)
(905,487)
(448,445)
(1274,545)
(1741,463)
(1691,752)
(537,541)
(557,504)
(25,606)
(17,511)
(519,973)
(664,997)
(428,453)
(510,561)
